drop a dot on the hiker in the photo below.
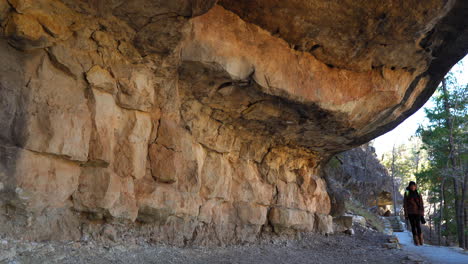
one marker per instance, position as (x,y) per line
(414,211)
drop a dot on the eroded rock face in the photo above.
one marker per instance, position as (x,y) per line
(195,122)
(358,175)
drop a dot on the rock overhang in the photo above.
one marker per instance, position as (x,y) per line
(349,34)
(188,118)
(369,92)
(369,65)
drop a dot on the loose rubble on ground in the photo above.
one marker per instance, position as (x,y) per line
(365,246)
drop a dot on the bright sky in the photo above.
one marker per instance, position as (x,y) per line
(405,130)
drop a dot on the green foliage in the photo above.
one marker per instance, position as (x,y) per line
(408,160)
(447,118)
(427,157)
(334,163)
(435,135)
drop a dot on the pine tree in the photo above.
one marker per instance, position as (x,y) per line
(445,138)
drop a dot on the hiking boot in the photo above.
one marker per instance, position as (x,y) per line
(416,240)
(421,239)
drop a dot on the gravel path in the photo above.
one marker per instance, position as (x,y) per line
(364,247)
(435,254)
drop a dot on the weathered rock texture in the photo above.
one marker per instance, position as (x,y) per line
(201,121)
(358,174)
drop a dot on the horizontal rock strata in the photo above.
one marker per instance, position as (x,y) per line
(201,121)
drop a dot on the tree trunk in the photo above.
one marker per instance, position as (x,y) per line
(393,182)
(464,203)
(446,216)
(441,209)
(458,215)
(456,189)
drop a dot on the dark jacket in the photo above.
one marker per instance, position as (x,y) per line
(413,204)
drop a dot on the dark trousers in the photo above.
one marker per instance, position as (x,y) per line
(415,222)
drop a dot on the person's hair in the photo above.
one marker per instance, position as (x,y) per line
(409,185)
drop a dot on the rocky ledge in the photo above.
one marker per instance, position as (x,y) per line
(202,121)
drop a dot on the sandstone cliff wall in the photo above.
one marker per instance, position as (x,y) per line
(184,121)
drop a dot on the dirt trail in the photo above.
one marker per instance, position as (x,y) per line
(364,247)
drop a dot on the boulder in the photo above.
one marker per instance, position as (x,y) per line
(323,223)
(251,213)
(342,223)
(359,220)
(283,219)
(349,232)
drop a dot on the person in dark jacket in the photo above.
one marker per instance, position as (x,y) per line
(414,211)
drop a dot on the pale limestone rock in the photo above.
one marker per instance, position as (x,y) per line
(100,78)
(283,218)
(171,135)
(317,199)
(324,223)
(223,218)
(98,190)
(131,150)
(165,163)
(287,175)
(206,210)
(107,121)
(251,213)
(77,54)
(60,122)
(290,196)
(248,185)
(216,177)
(44,181)
(120,137)
(164,201)
(136,88)
(173,156)
(203,128)
(126,205)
